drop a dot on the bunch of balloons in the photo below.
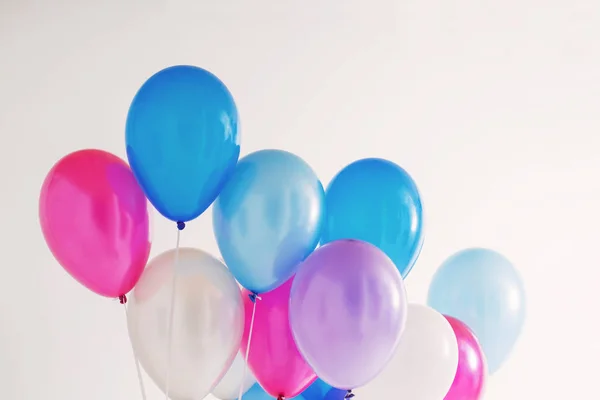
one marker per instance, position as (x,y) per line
(323,308)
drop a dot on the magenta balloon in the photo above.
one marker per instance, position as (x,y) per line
(347,312)
(470,376)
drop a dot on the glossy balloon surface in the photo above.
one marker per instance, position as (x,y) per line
(376,201)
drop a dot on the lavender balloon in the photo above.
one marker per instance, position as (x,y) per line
(347,312)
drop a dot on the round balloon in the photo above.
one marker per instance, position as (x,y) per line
(268,218)
(182,140)
(273,355)
(481,288)
(425,363)
(469,381)
(207,322)
(376,201)
(347,312)
(238,375)
(95,220)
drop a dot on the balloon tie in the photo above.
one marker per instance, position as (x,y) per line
(180,226)
(349,395)
(123,300)
(253,297)
(281,397)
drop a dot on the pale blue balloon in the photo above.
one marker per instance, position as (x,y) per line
(482,288)
(268,218)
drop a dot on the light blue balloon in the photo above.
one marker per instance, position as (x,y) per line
(481,288)
(182,140)
(376,201)
(268,218)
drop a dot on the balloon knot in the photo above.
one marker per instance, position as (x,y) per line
(180,225)
(349,395)
(254,296)
(122,299)
(281,397)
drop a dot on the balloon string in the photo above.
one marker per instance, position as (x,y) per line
(180,227)
(123,300)
(253,297)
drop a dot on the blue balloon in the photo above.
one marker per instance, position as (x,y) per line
(316,391)
(376,201)
(268,218)
(336,394)
(182,140)
(256,393)
(481,288)
(320,390)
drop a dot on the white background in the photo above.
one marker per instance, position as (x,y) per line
(492,106)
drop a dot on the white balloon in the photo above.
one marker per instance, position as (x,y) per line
(425,362)
(208,322)
(238,375)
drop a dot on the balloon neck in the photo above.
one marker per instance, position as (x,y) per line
(122,299)
(180,225)
(349,395)
(253,296)
(281,397)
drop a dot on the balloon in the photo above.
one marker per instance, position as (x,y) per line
(336,394)
(257,393)
(207,322)
(347,311)
(376,201)
(268,218)
(470,377)
(482,289)
(273,356)
(182,140)
(320,390)
(425,363)
(238,375)
(94,217)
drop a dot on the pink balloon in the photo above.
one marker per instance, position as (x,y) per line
(471,374)
(274,357)
(95,219)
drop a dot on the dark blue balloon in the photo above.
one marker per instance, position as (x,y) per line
(316,391)
(376,201)
(336,394)
(182,140)
(320,390)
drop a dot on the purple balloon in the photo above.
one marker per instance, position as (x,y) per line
(347,312)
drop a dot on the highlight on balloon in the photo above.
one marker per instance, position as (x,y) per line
(309,300)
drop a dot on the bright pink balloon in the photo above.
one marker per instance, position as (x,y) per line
(274,357)
(471,374)
(95,219)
